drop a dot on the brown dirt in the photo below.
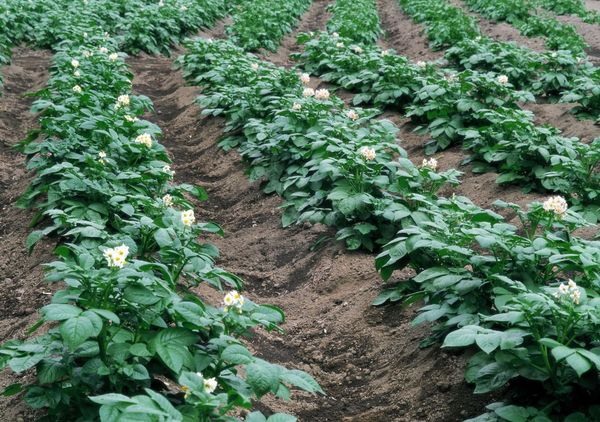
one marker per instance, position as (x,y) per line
(22,290)
(589,32)
(592,5)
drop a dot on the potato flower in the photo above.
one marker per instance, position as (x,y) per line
(101,157)
(167,169)
(430,164)
(183,8)
(503,79)
(233,298)
(188,218)
(254,66)
(385,53)
(340,45)
(122,101)
(103,50)
(568,291)
(322,94)
(115,257)
(77,74)
(167,200)
(335,35)
(297,107)
(368,153)
(144,139)
(357,49)
(421,64)
(210,385)
(77,89)
(87,54)
(556,205)
(305,78)
(113,57)
(75,63)
(131,118)
(308,92)
(352,115)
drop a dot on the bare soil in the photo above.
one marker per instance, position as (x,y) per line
(367,359)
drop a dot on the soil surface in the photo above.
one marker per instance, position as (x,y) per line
(367,359)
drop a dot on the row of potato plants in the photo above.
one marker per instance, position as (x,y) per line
(561,75)
(570,7)
(509,291)
(263,23)
(522,14)
(126,338)
(479,110)
(357,19)
(485,283)
(140,25)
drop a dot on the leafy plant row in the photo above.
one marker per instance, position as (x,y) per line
(479,110)
(264,23)
(560,75)
(126,338)
(487,284)
(522,14)
(356,19)
(570,7)
(140,25)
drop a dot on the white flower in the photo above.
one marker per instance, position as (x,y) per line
(183,8)
(106,35)
(75,63)
(305,78)
(352,115)
(103,50)
(421,64)
(188,218)
(167,169)
(77,89)
(161,3)
(77,74)
(322,94)
(297,107)
(167,200)
(144,139)
(115,257)
(335,35)
(430,164)
(503,79)
(233,298)
(122,101)
(554,55)
(85,34)
(357,49)
(450,77)
(130,118)
(340,45)
(87,54)
(113,57)
(254,66)
(368,153)
(569,290)
(210,385)
(102,154)
(308,92)
(385,53)
(556,205)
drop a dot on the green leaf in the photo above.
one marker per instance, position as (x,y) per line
(56,312)
(460,338)
(262,377)
(76,330)
(21,364)
(301,380)
(237,355)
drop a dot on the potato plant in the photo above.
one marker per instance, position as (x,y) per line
(263,23)
(479,110)
(125,337)
(357,20)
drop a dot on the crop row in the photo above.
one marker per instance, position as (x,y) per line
(521,14)
(126,338)
(357,19)
(478,109)
(264,23)
(560,75)
(487,284)
(140,25)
